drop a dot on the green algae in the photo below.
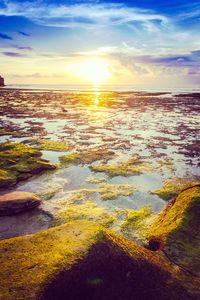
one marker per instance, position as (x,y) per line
(86,211)
(167,164)
(50,145)
(7,178)
(49,191)
(136,222)
(32,264)
(5,132)
(135,219)
(93,179)
(177,229)
(28,262)
(172,187)
(87,156)
(128,168)
(19,162)
(112,191)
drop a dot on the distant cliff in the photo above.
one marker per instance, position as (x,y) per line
(2,81)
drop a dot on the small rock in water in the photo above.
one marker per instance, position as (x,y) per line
(17,202)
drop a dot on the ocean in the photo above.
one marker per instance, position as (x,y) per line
(117,88)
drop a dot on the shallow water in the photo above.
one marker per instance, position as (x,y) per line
(163,129)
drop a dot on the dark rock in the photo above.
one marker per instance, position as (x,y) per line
(17,202)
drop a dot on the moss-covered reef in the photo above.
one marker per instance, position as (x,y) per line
(87,156)
(81,260)
(50,190)
(19,162)
(131,167)
(176,230)
(112,191)
(50,145)
(86,211)
(11,131)
(105,190)
(136,222)
(7,178)
(5,132)
(93,179)
(172,187)
(29,262)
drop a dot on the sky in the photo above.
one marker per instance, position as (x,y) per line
(143,42)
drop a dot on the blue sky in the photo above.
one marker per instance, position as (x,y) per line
(140,42)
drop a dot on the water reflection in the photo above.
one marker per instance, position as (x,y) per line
(96,98)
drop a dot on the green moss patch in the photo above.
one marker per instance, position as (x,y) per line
(86,211)
(177,228)
(172,187)
(19,162)
(7,178)
(93,179)
(80,260)
(112,191)
(29,262)
(87,156)
(45,144)
(49,191)
(128,168)
(136,222)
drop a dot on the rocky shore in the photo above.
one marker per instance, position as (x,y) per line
(95,204)
(83,260)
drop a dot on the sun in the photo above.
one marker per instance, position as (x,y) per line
(93,70)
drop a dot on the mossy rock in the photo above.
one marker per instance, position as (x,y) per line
(7,179)
(130,167)
(176,230)
(50,145)
(19,162)
(80,260)
(87,156)
(86,211)
(113,191)
(172,187)
(135,223)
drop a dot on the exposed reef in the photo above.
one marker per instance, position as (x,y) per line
(172,187)
(86,211)
(81,260)
(17,202)
(20,162)
(133,166)
(176,229)
(50,145)
(87,156)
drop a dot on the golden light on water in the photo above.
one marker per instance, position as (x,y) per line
(93,70)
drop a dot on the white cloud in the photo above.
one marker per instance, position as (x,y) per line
(77,14)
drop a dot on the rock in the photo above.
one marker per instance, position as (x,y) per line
(176,230)
(17,202)
(20,162)
(7,179)
(81,260)
(173,186)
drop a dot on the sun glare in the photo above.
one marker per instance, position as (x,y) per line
(93,70)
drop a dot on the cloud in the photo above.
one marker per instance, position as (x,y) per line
(60,15)
(22,47)
(23,33)
(144,64)
(13,54)
(5,36)
(38,75)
